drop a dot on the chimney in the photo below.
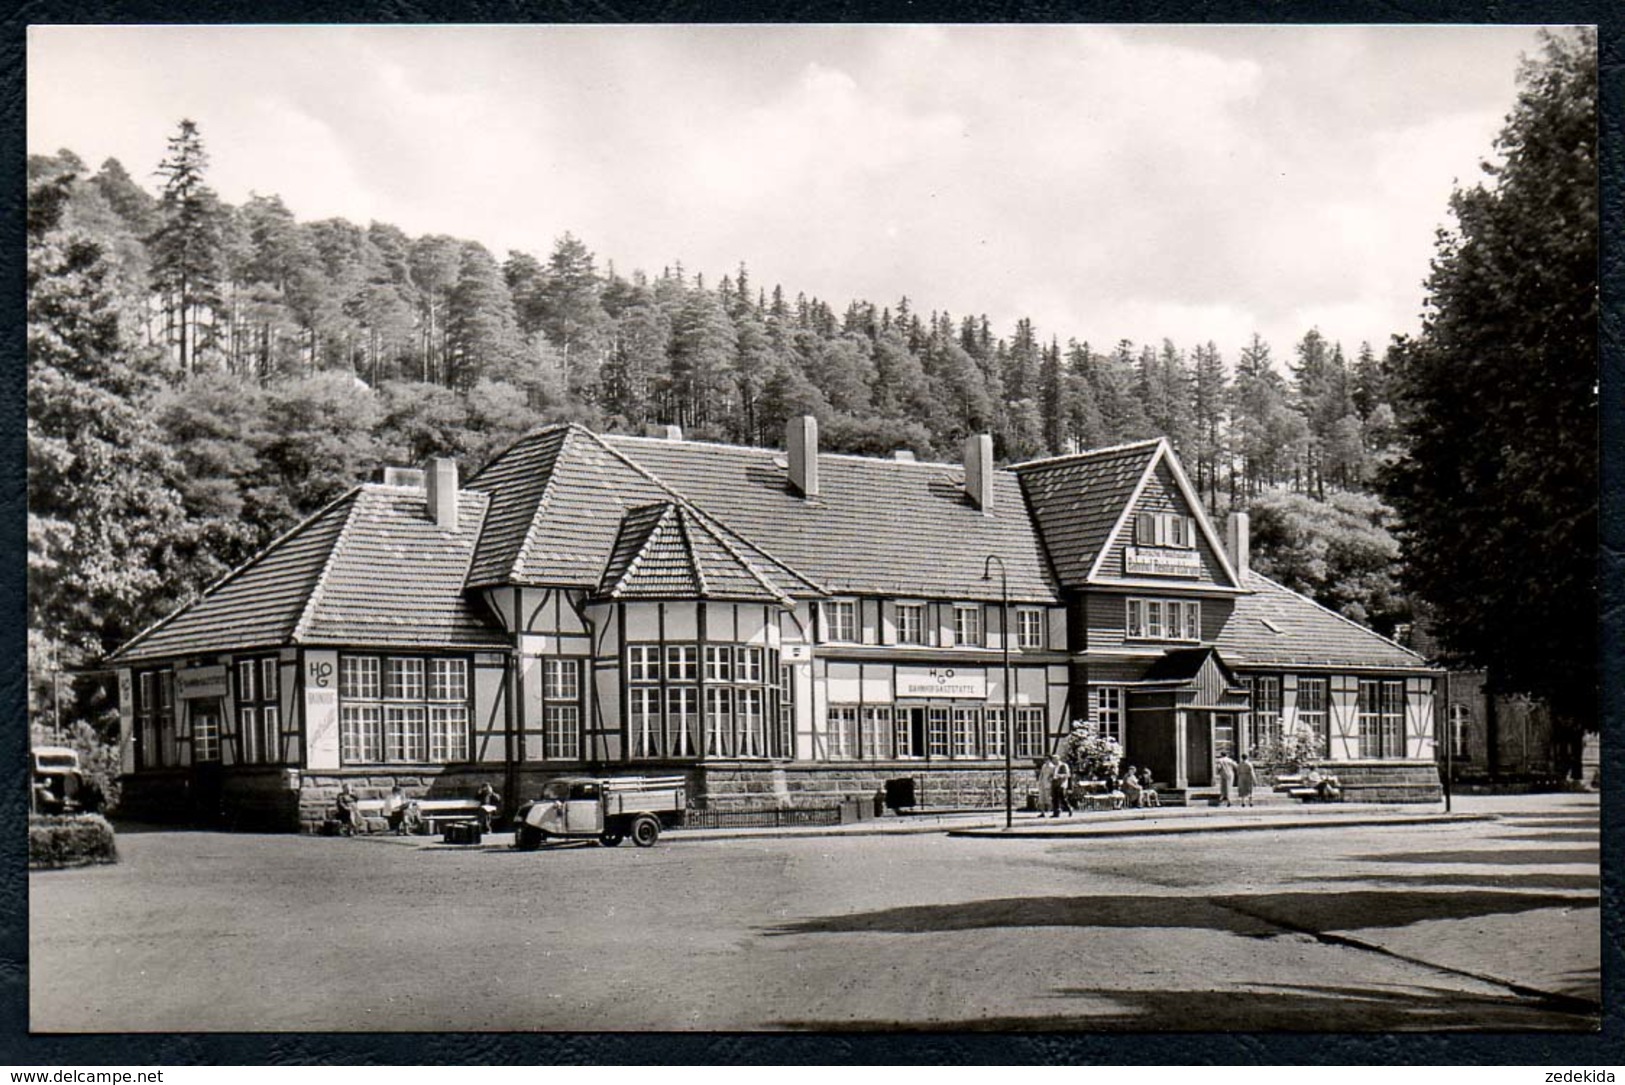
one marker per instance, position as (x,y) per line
(674,433)
(979,471)
(903,455)
(440,477)
(801,439)
(1237,543)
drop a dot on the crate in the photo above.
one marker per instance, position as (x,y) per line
(462,832)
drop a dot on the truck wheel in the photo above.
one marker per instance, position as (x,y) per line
(528,838)
(610,840)
(645,831)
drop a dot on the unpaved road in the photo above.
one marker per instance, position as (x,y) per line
(1481,925)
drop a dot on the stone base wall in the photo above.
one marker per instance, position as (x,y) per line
(1388,781)
(163,797)
(755,787)
(319,789)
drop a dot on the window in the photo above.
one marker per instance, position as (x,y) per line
(787,712)
(397,709)
(967,624)
(937,732)
(964,732)
(561,732)
(643,663)
(643,720)
(1163,619)
(1029,627)
(682,663)
(1168,529)
(718,717)
(910,623)
(1381,718)
(841,620)
(205,734)
(842,732)
(903,732)
(1109,712)
(1461,720)
(719,660)
(748,720)
(682,710)
(1029,732)
(561,679)
(1312,717)
(1265,718)
(876,737)
(750,665)
(994,744)
(259,713)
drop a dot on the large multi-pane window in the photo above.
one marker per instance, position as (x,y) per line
(644,721)
(682,711)
(748,721)
(968,624)
(1163,619)
(155,718)
(718,721)
(1265,718)
(1312,712)
(1029,627)
(936,732)
(1029,732)
(713,700)
(903,744)
(1381,717)
(994,721)
(259,711)
(561,709)
(841,620)
(875,737)
(403,709)
(841,732)
(965,722)
(910,623)
(1109,712)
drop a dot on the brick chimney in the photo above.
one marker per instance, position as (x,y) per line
(440,480)
(979,471)
(801,439)
(1237,542)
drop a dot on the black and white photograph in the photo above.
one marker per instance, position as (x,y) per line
(813,529)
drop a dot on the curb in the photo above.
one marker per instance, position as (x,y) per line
(1261,825)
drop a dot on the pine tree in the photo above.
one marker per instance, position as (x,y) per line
(185,248)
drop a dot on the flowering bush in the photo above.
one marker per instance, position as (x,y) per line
(1295,752)
(1090,753)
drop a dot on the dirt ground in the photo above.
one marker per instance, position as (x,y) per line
(1478,925)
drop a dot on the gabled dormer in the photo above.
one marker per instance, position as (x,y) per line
(1126,517)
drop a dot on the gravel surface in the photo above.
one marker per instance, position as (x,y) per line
(1468,925)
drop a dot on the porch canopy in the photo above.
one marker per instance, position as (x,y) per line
(1181,713)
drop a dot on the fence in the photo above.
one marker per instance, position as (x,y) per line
(762,819)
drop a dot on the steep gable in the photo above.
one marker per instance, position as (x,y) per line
(1078,500)
(1199,563)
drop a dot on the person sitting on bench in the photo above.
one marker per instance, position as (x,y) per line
(1326,787)
(490,802)
(347,812)
(1148,790)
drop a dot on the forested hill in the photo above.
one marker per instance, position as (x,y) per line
(202,375)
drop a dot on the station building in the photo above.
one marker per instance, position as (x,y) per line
(786,628)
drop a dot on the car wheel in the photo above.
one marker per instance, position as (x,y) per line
(610,840)
(645,831)
(528,838)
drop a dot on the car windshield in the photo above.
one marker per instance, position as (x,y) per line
(56,760)
(556,789)
(584,791)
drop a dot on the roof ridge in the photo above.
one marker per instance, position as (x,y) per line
(307,611)
(1340,617)
(688,549)
(232,574)
(539,431)
(1051,461)
(687,503)
(637,555)
(522,555)
(1123,514)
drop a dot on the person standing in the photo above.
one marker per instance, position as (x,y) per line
(1227,778)
(1246,780)
(347,812)
(1060,788)
(1046,777)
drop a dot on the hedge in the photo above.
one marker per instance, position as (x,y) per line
(69,841)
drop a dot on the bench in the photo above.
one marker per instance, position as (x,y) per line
(1314,794)
(435,813)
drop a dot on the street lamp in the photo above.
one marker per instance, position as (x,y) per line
(1004,640)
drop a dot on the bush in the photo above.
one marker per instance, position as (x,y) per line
(1090,753)
(73,840)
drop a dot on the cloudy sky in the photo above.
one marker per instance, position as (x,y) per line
(1193,183)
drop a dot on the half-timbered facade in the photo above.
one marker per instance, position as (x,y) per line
(786,628)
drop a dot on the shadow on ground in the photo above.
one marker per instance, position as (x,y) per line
(1508,880)
(1252,915)
(1549,837)
(1495,857)
(1267,1007)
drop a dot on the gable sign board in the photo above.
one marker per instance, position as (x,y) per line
(195,682)
(941,682)
(1154,561)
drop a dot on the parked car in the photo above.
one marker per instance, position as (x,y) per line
(57,786)
(604,808)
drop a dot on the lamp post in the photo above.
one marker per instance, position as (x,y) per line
(1009,721)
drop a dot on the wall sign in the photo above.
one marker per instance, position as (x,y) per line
(1151,561)
(194,682)
(941,682)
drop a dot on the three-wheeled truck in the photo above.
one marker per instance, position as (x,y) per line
(605,808)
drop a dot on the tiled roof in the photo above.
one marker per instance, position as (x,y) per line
(667,551)
(258,604)
(1181,664)
(371,568)
(396,578)
(1277,627)
(882,527)
(1077,500)
(516,481)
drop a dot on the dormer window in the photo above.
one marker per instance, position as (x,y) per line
(1167,529)
(841,620)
